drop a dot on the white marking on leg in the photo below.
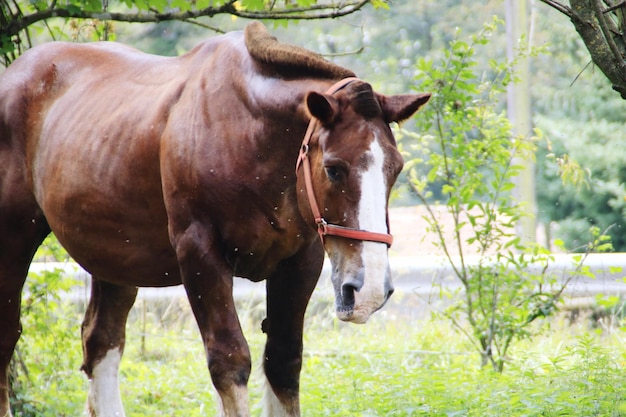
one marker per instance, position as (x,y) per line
(235,402)
(104,398)
(272,407)
(373,218)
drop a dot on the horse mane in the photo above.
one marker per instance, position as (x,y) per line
(266,49)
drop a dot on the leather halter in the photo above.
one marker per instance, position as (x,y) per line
(323,227)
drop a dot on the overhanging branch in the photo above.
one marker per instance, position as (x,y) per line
(319,11)
(560,7)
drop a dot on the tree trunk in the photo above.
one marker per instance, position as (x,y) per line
(601,26)
(603,39)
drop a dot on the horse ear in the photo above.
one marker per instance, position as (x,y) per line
(401,107)
(322,106)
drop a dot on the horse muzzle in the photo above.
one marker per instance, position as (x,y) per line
(358,296)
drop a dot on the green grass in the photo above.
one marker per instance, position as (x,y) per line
(398,364)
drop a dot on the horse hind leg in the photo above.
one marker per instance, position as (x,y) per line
(103,334)
(20,236)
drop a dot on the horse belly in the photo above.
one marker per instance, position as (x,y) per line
(118,251)
(100,191)
(117,247)
(113,240)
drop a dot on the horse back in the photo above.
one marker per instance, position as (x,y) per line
(81,127)
(117,145)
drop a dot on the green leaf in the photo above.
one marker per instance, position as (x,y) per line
(253,4)
(380,4)
(447,189)
(608,301)
(181,5)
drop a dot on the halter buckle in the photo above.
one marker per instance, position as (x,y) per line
(322,226)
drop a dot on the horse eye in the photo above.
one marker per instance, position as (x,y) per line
(334,173)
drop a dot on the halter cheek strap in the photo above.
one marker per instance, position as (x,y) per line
(323,227)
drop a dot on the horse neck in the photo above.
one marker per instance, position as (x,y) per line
(282,104)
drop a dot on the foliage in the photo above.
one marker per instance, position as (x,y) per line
(49,348)
(18,16)
(439,383)
(466,159)
(580,114)
(381,45)
(396,366)
(601,202)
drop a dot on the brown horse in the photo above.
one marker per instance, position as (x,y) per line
(155,171)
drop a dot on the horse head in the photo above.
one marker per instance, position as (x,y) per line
(351,160)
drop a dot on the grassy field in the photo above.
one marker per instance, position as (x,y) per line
(401,363)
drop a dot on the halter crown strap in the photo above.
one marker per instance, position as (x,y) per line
(323,227)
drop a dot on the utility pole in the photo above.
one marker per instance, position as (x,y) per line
(518,111)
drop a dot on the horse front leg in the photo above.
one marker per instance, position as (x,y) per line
(288,292)
(227,352)
(208,282)
(104,334)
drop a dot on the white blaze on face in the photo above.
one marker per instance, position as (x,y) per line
(104,398)
(373,204)
(373,218)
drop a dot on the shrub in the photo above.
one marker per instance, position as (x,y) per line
(467,159)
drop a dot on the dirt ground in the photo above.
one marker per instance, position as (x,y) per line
(411,235)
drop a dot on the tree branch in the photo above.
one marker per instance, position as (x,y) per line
(319,11)
(605,26)
(303,13)
(560,7)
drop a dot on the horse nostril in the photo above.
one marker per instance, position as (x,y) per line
(388,289)
(389,292)
(347,294)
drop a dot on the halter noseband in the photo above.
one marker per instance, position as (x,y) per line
(323,227)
